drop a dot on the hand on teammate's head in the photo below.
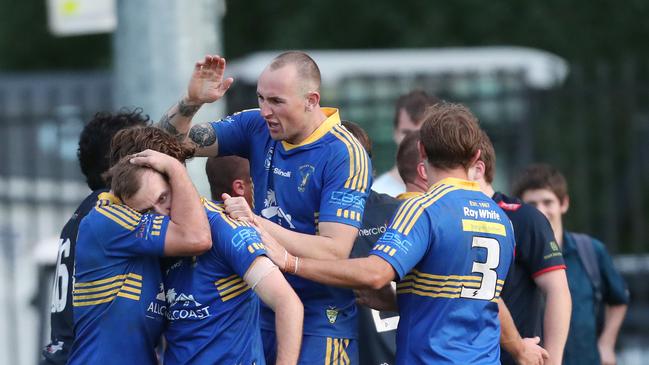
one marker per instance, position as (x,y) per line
(154,159)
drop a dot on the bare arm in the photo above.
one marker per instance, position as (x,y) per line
(188,233)
(556,323)
(271,286)
(205,86)
(525,351)
(335,240)
(613,318)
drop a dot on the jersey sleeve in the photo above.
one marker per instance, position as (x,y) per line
(536,246)
(238,243)
(405,242)
(124,232)
(235,133)
(346,185)
(614,289)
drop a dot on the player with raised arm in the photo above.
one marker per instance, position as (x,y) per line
(311,178)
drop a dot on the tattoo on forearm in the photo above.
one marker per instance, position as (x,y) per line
(187,110)
(202,135)
(165,124)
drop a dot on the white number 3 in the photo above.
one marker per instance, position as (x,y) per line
(487,289)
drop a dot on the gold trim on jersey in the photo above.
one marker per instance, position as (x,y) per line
(359,164)
(441,286)
(459,183)
(411,209)
(409,194)
(231,287)
(336,353)
(348,214)
(112,208)
(106,290)
(471,225)
(333,119)
(219,208)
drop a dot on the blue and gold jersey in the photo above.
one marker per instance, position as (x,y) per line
(213,315)
(452,248)
(326,178)
(118,297)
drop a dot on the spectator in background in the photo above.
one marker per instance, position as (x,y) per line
(536,290)
(599,293)
(408,116)
(229,175)
(93,155)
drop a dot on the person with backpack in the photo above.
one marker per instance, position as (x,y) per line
(599,293)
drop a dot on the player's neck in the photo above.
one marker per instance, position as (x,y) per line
(436,175)
(487,188)
(313,121)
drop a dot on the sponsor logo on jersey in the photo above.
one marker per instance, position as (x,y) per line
(332,314)
(346,199)
(280,172)
(269,158)
(273,210)
(373,231)
(184,306)
(305,172)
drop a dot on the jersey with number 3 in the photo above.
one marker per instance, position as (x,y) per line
(451,248)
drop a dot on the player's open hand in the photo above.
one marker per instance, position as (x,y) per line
(531,353)
(155,160)
(207,84)
(237,207)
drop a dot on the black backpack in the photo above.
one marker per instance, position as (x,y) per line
(588,257)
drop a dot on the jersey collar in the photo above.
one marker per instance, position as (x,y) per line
(333,119)
(409,194)
(108,199)
(459,183)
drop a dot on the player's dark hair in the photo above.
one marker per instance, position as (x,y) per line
(134,140)
(360,135)
(450,135)
(488,157)
(306,67)
(94,142)
(408,157)
(415,104)
(541,176)
(222,171)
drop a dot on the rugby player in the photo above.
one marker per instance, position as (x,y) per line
(450,250)
(311,178)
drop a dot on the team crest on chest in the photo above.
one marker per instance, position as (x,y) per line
(305,172)
(332,314)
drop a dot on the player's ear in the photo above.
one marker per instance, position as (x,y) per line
(421,171)
(238,187)
(312,100)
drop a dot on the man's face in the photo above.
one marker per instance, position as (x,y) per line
(154,194)
(404,125)
(547,203)
(283,104)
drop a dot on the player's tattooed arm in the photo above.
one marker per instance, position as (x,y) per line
(177,120)
(202,135)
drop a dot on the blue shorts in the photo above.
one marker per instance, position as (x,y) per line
(316,350)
